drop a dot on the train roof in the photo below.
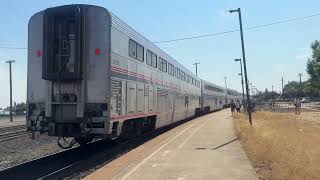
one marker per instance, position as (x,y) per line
(129,31)
(210,83)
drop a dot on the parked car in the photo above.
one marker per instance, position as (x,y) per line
(305,100)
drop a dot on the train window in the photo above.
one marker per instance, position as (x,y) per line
(154,60)
(183,76)
(188,78)
(164,65)
(177,73)
(132,49)
(140,50)
(160,63)
(170,69)
(136,51)
(149,57)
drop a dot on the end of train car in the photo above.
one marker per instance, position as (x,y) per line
(68,77)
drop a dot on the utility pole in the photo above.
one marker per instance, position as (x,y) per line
(282,88)
(244,64)
(272,93)
(300,83)
(225,83)
(10,62)
(196,64)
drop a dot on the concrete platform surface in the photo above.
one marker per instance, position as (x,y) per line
(17,120)
(204,148)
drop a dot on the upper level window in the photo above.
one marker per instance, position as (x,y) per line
(136,50)
(177,73)
(162,64)
(183,75)
(188,78)
(170,69)
(140,51)
(154,60)
(132,49)
(149,57)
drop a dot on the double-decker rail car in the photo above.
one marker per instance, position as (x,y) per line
(91,75)
(212,97)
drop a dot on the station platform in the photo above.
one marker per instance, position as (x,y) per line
(203,148)
(16,121)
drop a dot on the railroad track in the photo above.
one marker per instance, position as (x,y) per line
(77,160)
(12,132)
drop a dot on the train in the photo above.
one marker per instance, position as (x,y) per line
(90,75)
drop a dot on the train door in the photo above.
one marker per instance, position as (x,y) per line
(140,98)
(170,106)
(155,100)
(116,99)
(186,105)
(131,97)
(146,99)
(150,99)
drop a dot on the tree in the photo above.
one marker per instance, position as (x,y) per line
(315,46)
(313,66)
(20,108)
(291,90)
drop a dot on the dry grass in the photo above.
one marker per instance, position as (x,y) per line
(281,145)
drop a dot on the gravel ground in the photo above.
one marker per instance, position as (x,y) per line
(24,149)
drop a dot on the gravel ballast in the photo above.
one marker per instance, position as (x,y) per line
(24,149)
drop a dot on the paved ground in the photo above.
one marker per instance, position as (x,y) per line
(17,120)
(205,148)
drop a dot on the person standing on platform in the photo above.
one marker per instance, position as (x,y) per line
(238,106)
(232,106)
(297,106)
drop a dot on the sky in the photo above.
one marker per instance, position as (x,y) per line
(272,52)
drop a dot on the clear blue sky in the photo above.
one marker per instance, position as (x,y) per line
(272,52)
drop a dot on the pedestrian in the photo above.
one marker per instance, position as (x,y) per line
(238,106)
(297,106)
(232,106)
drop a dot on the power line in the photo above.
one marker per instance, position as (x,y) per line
(196,37)
(236,30)
(208,35)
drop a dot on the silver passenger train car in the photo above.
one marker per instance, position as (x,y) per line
(91,75)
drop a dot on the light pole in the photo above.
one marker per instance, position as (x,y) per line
(300,86)
(282,88)
(244,63)
(225,83)
(272,94)
(10,74)
(196,64)
(251,90)
(241,77)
